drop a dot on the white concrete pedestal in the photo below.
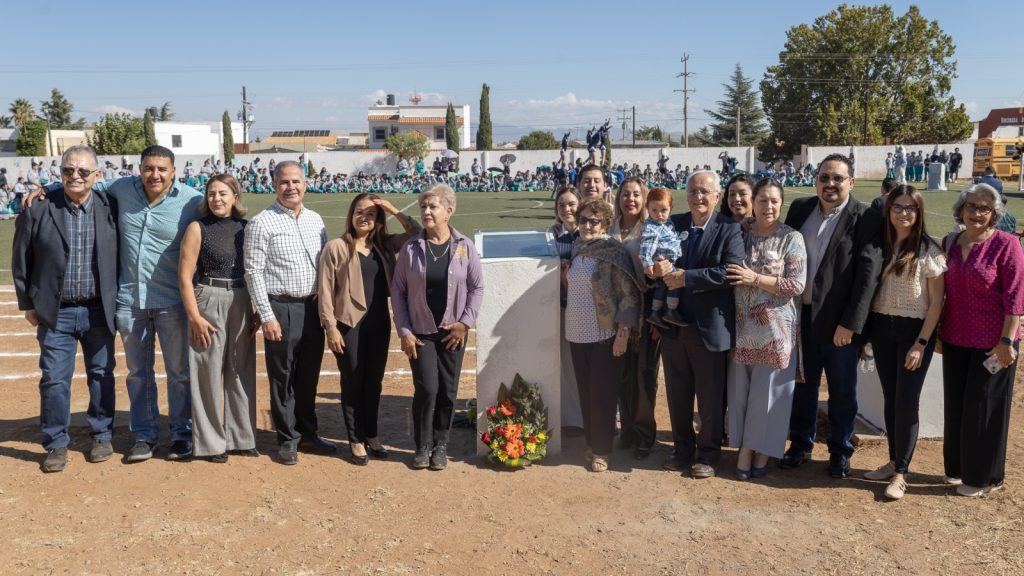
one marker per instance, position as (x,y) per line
(936,176)
(871,405)
(517,332)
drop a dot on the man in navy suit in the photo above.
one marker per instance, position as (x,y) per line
(695,354)
(843,265)
(65,278)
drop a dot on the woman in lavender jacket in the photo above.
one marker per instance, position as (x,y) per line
(436,293)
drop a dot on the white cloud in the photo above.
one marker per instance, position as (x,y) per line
(276,103)
(114,109)
(330,118)
(372,97)
(427,97)
(570,110)
(330,102)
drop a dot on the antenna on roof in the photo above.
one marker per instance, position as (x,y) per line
(415,97)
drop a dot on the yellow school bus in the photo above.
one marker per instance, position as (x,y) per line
(997,153)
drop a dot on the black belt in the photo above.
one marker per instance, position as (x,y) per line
(81,302)
(223,282)
(290,299)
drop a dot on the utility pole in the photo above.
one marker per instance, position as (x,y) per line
(624,118)
(245,115)
(737,126)
(685,75)
(634,126)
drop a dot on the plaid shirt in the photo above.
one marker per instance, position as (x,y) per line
(659,239)
(80,276)
(282,253)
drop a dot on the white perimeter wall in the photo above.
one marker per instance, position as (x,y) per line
(870,160)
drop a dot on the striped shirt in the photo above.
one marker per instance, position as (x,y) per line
(80,274)
(282,252)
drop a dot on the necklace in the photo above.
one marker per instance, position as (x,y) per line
(437,257)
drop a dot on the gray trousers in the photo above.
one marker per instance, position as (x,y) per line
(224,375)
(760,403)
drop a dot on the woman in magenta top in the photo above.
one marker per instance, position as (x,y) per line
(980,323)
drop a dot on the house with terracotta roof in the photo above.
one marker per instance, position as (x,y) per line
(387,118)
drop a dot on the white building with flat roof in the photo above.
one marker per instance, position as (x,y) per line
(387,119)
(195,138)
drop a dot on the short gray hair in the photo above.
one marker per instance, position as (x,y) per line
(998,209)
(442,192)
(714,177)
(285,164)
(80,150)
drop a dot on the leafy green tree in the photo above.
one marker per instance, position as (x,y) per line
(119,133)
(483,131)
(22,112)
(32,138)
(310,170)
(451,129)
(148,130)
(860,74)
(407,145)
(229,141)
(651,133)
(538,140)
(58,109)
(741,96)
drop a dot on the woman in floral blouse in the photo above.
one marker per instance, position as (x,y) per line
(762,372)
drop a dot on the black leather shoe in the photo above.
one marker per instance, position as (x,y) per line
(249,452)
(180,451)
(421,460)
(641,453)
(381,452)
(791,460)
(838,466)
(673,317)
(317,445)
(219,458)
(655,319)
(673,463)
(439,457)
(287,455)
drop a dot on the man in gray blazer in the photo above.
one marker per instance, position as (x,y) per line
(65,277)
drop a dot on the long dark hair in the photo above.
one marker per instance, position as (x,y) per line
(904,257)
(380,228)
(747,179)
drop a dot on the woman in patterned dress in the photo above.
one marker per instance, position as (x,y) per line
(763,368)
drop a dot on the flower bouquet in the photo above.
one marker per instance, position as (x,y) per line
(517,425)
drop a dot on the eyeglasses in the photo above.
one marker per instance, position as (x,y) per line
(69,172)
(979,209)
(698,193)
(903,209)
(589,222)
(835,178)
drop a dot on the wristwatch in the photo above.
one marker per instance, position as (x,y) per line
(1005,340)
(922,341)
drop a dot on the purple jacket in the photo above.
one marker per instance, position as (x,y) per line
(409,286)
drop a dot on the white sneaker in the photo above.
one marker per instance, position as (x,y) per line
(951,481)
(972,491)
(897,488)
(883,472)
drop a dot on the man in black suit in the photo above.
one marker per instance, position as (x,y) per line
(695,354)
(844,261)
(65,277)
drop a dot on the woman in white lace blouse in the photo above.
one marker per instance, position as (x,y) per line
(902,325)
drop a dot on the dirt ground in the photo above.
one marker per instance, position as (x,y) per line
(326,516)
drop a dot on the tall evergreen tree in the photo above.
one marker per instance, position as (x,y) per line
(229,140)
(483,131)
(740,95)
(451,129)
(58,109)
(149,130)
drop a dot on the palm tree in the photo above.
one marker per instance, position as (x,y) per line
(165,113)
(5,122)
(23,112)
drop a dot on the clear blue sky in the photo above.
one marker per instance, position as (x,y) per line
(550,65)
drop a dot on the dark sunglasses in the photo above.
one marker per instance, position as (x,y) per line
(836,178)
(68,172)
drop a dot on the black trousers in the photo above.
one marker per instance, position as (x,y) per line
(891,338)
(362,372)
(977,416)
(598,374)
(435,380)
(638,391)
(693,371)
(293,368)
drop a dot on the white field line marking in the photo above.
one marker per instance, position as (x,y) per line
(537,204)
(121,354)
(162,376)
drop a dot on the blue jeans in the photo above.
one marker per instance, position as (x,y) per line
(840,367)
(139,330)
(57,350)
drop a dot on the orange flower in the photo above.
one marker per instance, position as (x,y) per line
(512,431)
(514,448)
(507,408)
